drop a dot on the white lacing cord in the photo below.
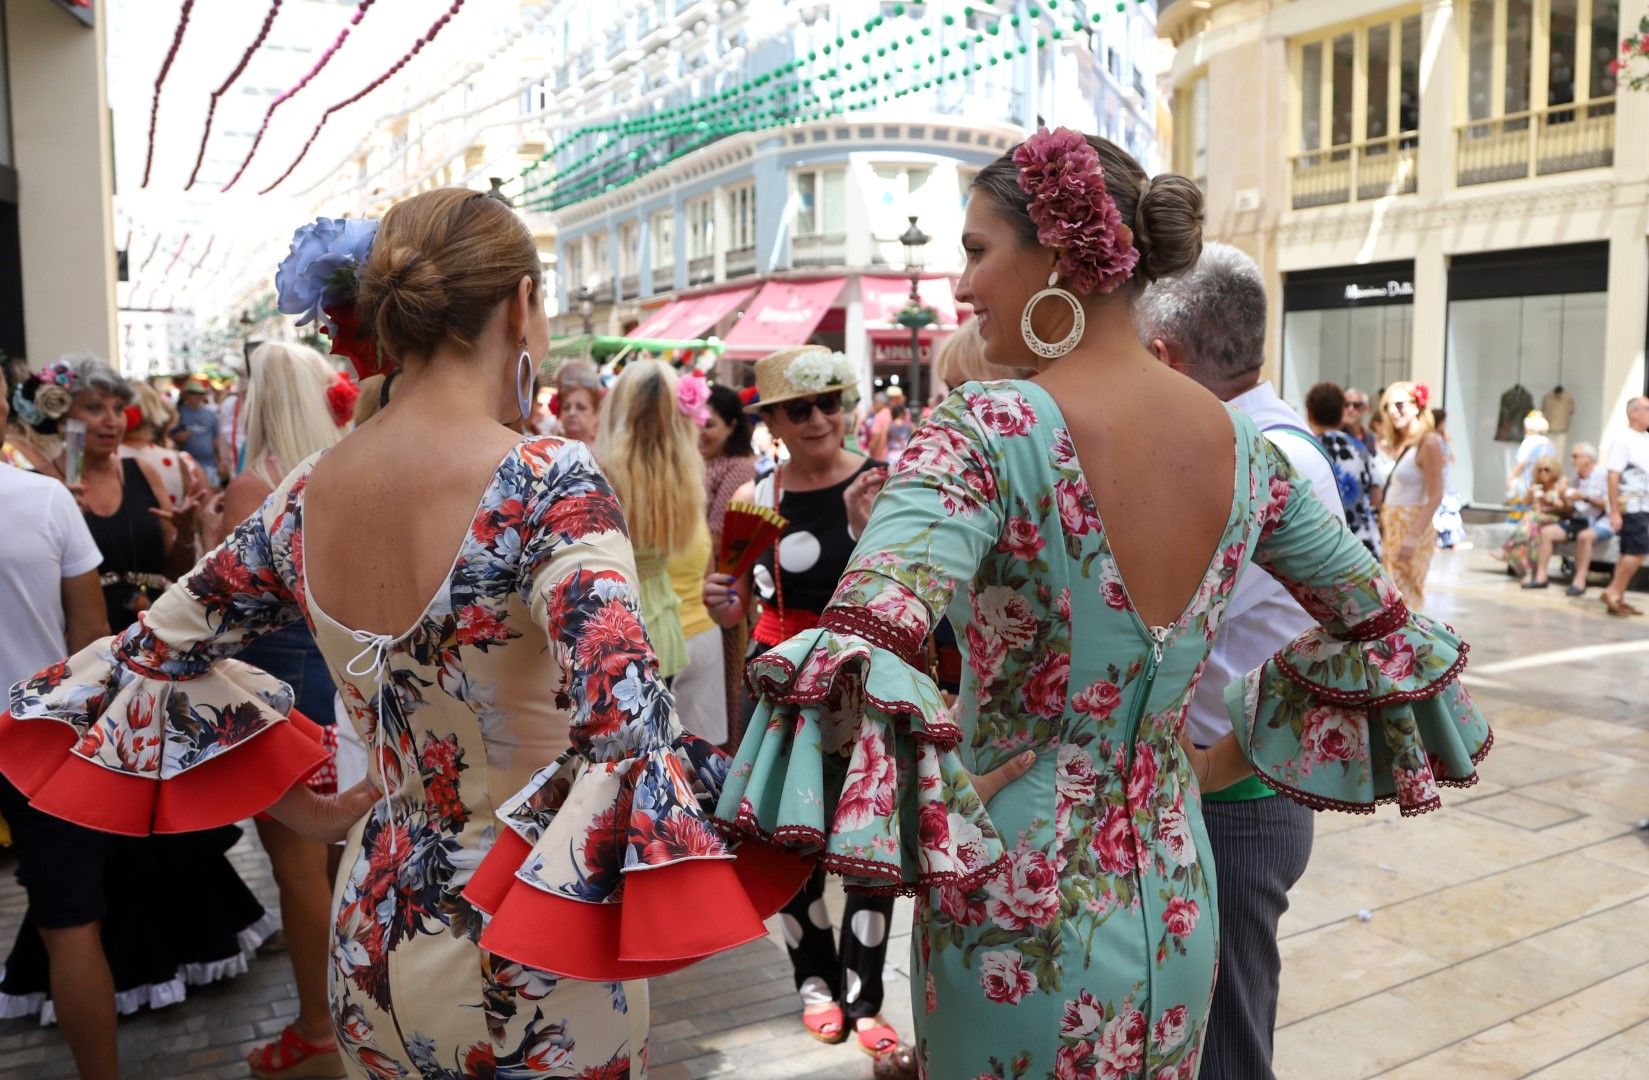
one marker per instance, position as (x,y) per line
(375,651)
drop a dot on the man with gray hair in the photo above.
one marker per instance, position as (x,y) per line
(1209,324)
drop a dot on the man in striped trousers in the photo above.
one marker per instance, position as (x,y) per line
(1209,324)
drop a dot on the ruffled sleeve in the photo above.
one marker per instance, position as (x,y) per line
(851,752)
(156,730)
(608,866)
(1367,707)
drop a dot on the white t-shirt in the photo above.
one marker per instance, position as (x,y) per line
(1629,456)
(1261,617)
(46,541)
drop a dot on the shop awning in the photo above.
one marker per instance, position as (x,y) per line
(885,297)
(893,346)
(691,316)
(783,314)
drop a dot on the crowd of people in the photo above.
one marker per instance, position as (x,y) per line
(516,742)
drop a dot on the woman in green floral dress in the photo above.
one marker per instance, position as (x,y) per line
(1071,931)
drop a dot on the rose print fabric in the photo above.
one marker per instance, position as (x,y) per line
(531,654)
(1070,931)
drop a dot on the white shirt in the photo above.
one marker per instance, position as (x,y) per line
(1629,456)
(1261,617)
(46,541)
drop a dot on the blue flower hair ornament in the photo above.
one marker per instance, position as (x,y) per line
(319,279)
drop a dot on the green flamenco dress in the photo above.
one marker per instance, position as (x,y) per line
(1071,931)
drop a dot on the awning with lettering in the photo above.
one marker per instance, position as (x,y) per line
(783,314)
(893,346)
(691,316)
(885,297)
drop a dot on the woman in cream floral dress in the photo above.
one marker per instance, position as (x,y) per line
(1071,931)
(535,847)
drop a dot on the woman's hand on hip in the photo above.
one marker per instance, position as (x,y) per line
(988,784)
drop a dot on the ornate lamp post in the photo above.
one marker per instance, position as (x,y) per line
(915,316)
(585,300)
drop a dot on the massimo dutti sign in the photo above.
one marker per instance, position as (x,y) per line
(1391,290)
(1369,285)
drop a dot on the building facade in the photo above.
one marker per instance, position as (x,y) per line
(791,233)
(1454,191)
(57,244)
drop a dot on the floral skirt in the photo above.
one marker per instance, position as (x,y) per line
(1397,522)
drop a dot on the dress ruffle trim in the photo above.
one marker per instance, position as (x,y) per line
(611,870)
(1337,725)
(92,741)
(851,756)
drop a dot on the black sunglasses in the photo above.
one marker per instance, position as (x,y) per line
(799,410)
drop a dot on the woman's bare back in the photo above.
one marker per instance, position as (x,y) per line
(386,512)
(1159,453)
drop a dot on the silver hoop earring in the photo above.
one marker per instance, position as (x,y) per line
(524,383)
(1052,349)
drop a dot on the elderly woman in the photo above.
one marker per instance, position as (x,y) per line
(578,400)
(1549,505)
(1585,523)
(1535,445)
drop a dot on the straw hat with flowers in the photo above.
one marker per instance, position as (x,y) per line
(802,372)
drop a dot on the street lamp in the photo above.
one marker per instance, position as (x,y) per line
(915,316)
(585,299)
(246,325)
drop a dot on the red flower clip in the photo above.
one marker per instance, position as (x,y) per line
(1422,396)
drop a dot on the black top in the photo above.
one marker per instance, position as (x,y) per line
(815,544)
(131,542)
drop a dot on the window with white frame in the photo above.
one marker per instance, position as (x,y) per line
(575,265)
(629,248)
(1359,84)
(741,218)
(821,202)
(1191,153)
(1523,55)
(664,239)
(701,228)
(898,193)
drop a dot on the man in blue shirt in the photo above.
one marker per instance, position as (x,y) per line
(197,430)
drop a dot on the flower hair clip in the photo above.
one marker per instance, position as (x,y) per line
(1422,396)
(1073,211)
(693,397)
(319,279)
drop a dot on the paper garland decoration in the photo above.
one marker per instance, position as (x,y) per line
(212,106)
(165,68)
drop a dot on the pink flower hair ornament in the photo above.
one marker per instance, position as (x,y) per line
(1073,211)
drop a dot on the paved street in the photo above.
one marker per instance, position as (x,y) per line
(1505,935)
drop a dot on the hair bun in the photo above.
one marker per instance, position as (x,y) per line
(1167,226)
(404,298)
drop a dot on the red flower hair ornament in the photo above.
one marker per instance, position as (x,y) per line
(1073,211)
(1422,396)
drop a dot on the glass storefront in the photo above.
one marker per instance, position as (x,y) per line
(1525,330)
(1350,326)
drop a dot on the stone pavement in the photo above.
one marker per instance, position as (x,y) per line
(1508,934)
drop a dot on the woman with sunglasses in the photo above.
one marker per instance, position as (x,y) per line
(1414,489)
(824,492)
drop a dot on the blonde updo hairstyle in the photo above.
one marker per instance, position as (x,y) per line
(649,450)
(441,264)
(961,358)
(158,415)
(1164,213)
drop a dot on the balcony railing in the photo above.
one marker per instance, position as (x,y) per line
(701,270)
(664,278)
(1558,139)
(629,286)
(1356,172)
(818,249)
(741,261)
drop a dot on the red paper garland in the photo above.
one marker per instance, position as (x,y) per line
(428,36)
(212,107)
(154,247)
(166,66)
(343,35)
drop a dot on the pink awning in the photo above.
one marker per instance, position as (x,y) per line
(783,314)
(885,297)
(689,317)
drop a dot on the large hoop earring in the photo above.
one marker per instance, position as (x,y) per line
(524,383)
(1053,349)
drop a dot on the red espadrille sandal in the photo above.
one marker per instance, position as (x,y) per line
(292,1056)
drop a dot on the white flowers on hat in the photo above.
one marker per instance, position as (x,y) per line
(813,371)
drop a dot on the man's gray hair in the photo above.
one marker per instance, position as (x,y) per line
(1213,315)
(1584,448)
(93,376)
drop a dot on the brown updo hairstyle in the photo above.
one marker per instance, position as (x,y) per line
(1166,221)
(441,263)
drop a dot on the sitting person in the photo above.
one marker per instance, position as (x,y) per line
(1547,506)
(1585,525)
